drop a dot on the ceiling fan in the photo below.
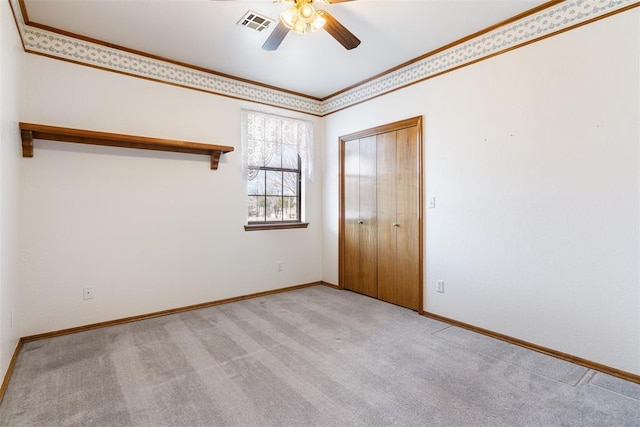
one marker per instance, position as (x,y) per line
(302,18)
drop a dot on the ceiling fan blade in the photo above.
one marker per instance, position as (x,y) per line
(338,31)
(275,38)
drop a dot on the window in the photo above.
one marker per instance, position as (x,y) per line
(275,191)
(276,158)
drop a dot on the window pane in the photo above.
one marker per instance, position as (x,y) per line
(289,157)
(256,208)
(274,159)
(274,183)
(289,183)
(271,130)
(255,182)
(254,153)
(290,208)
(255,128)
(274,208)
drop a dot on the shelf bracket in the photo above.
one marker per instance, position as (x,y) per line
(215,159)
(27,143)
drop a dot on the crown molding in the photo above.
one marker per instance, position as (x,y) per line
(548,20)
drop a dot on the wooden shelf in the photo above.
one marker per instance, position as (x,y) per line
(30,131)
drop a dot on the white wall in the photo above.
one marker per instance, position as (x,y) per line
(534,159)
(148,230)
(10,101)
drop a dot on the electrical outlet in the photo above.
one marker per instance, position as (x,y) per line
(440,286)
(279,266)
(87,292)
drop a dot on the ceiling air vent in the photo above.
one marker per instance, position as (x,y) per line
(255,21)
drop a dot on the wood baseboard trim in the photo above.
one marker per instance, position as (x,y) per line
(540,349)
(12,364)
(330,285)
(130,319)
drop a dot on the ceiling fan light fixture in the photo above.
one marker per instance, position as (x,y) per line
(289,17)
(318,23)
(306,12)
(300,27)
(302,18)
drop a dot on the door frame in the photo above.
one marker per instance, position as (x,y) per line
(402,124)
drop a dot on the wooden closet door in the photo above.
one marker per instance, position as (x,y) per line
(386,183)
(380,234)
(407,218)
(351,182)
(360,216)
(398,218)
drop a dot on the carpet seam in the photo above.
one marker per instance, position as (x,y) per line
(511,363)
(599,367)
(614,392)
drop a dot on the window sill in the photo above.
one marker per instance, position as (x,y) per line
(275,226)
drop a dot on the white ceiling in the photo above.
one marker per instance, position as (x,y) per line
(204,33)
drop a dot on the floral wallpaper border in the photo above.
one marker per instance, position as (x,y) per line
(541,24)
(548,21)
